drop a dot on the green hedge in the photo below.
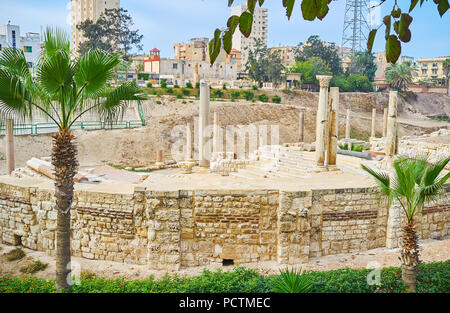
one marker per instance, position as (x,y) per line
(433,277)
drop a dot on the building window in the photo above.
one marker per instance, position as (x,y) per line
(434,71)
(424,65)
(435,65)
(175,66)
(28,49)
(13,38)
(424,72)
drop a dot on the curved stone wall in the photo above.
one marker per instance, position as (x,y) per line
(183,228)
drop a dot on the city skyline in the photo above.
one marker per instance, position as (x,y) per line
(154,22)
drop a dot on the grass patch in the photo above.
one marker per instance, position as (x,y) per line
(34,267)
(15,254)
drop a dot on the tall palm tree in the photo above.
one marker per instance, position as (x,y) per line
(399,76)
(414,182)
(63,90)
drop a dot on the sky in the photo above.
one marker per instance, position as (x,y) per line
(165,22)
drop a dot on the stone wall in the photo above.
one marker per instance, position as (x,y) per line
(183,228)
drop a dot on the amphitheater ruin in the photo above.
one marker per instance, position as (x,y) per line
(230,194)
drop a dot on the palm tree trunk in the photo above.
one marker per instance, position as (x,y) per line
(410,256)
(64,160)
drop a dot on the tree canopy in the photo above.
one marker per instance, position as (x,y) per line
(397,23)
(363,63)
(263,65)
(112,32)
(314,47)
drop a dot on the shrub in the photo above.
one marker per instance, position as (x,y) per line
(218,93)
(255,87)
(143,76)
(235,95)
(189,85)
(158,102)
(169,90)
(15,254)
(291,282)
(263,97)
(185,92)
(224,86)
(179,96)
(286,91)
(176,86)
(87,275)
(248,95)
(197,85)
(276,99)
(163,83)
(149,85)
(432,277)
(33,267)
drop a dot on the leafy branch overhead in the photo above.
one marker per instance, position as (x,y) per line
(397,24)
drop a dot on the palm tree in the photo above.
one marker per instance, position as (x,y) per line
(414,182)
(63,90)
(399,76)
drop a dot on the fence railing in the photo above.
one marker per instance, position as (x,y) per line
(41,128)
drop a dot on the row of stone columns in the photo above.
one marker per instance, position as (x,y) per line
(327,125)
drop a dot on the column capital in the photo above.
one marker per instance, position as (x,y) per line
(324,80)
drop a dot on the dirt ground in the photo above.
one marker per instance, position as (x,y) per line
(432,251)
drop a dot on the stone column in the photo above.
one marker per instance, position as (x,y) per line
(159,157)
(204,122)
(391,126)
(196,75)
(333,129)
(188,142)
(301,126)
(10,160)
(374,119)
(385,119)
(347,125)
(321,124)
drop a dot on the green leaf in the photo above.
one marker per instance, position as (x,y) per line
(443,6)
(261,2)
(232,23)
(404,34)
(371,40)
(309,9)
(413,5)
(214,46)
(396,13)
(393,49)
(245,23)
(323,9)
(251,5)
(387,22)
(289,5)
(227,41)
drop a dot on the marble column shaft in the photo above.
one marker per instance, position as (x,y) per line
(333,127)
(391,125)
(385,119)
(321,124)
(347,125)
(301,126)
(10,159)
(204,122)
(374,119)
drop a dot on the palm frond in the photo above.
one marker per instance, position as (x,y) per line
(433,171)
(55,73)
(382,179)
(55,40)
(14,61)
(15,99)
(93,70)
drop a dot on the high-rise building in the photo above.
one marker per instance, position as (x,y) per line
(259,31)
(83,10)
(286,54)
(30,43)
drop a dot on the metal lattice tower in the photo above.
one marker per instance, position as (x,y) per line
(356,25)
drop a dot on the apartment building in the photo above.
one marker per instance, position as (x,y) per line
(431,68)
(83,10)
(286,54)
(259,31)
(10,37)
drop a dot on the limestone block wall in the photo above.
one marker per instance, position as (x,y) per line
(183,228)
